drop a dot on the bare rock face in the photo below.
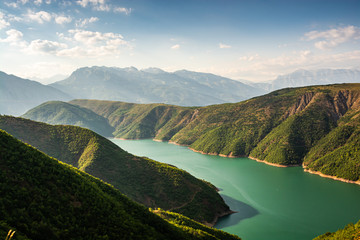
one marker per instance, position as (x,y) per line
(300,104)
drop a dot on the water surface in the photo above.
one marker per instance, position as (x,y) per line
(272,203)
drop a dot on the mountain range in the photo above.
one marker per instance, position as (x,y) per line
(154,85)
(317,127)
(17,95)
(302,78)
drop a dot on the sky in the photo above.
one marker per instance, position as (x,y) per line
(255,40)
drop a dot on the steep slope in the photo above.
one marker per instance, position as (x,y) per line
(281,127)
(154,86)
(350,232)
(146,181)
(45,199)
(17,95)
(56,112)
(338,153)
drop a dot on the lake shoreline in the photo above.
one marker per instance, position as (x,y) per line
(261,161)
(331,177)
(272,164)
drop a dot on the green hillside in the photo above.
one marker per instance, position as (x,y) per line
(146,181)
(350,232)
(56,112)
(285,127)
(42,198)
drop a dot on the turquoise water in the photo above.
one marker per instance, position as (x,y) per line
(272,203)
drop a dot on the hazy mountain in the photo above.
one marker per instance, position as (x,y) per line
(51,79)
(154,85)
(17,95)
(301,78)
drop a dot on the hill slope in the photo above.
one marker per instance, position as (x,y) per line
(17,95)
(146,181)
(154,86)
(284,127)
(43,198)
(350,232)
(56,112)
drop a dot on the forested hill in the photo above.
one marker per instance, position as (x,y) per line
(287,127)
(146,181)
(42,198)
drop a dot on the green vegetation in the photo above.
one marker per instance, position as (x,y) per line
(350,232)
(44,198)
(192,226)
(338,153)
(56,112)
(146,181)
(285,127)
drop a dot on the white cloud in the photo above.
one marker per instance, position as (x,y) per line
(11,4)
(176,46)
(333,37)
(3,22)
(15,4)
(62,19)
(13,36)
(38,2)
(221,45)
(86,21)
(39,17)
(93,44)
(45,46)
(127,11)
(249,58)
(98,5)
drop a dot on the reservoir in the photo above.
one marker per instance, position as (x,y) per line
(272,203)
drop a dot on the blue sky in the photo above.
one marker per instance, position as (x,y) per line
(244,39)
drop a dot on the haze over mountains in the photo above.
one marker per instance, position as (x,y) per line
(17,95)
(154,85)
(302,78)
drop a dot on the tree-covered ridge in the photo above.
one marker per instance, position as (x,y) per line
(43,198)
(281,127)
(338,153)
(350,232)
(146,181)
(56,112)
(192,226)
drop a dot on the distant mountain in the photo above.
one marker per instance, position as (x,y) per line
(42,198)
(56,112)
(154,184)
(17,95)
(51,79)
(154,85)
(302,78)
